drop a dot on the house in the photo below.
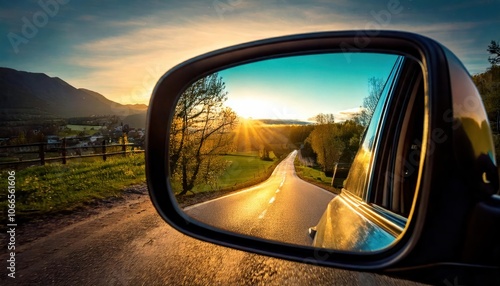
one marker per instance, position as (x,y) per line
(52,139)
(96,138)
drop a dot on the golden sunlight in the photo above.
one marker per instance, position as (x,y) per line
(253,135)
(252,108)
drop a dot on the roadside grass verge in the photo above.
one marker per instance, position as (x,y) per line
(317,177)
(245,170)
(57,188)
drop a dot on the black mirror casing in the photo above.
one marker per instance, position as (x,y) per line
(436,239)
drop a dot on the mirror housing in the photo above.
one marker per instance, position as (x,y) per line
(451,203)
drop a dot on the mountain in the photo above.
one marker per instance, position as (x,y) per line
(37,93)
(136,120)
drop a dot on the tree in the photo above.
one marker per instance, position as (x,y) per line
(494,50)
(200,132)
(324,118)
(264,152)
(375,88)
(327,145)
(488,84)
(297,134)
(350,133)
(334,143)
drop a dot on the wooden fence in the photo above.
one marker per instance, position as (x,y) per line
(22,154)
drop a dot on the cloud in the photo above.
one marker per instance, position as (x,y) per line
(347,114)
(126,66)
(122,52)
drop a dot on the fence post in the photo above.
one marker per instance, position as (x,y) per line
(64,151)
(104,150)
(124,149)
(41,153)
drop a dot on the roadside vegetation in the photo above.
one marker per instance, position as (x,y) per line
(56,188)
(243,171)
(317,177)
(488,84)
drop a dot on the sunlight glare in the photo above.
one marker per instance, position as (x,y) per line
(252,108)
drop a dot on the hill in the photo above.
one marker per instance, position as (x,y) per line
(36,94)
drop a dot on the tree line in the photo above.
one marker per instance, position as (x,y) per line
(330,142)
(488,85)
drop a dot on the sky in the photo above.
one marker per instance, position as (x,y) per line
(302,87)
(121,48)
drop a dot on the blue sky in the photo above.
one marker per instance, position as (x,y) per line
(301,87)
(121,48)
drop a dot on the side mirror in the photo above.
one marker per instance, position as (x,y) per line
(386,127)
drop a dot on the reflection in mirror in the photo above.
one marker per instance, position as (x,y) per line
(264,149)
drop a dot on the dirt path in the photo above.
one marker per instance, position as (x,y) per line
(45,225)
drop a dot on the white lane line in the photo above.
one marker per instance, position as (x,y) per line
(226,196)
(262,214)
(278,190)
(272,200)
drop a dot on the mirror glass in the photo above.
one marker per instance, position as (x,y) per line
(264,149)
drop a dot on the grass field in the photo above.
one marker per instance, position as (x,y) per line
(245,169)
(76,129)
(83,127)
(56,188)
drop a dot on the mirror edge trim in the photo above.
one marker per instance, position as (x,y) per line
(180,76)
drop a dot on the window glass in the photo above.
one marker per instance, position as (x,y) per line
(356,182)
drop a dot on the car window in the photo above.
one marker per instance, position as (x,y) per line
(357,180)
(395,177)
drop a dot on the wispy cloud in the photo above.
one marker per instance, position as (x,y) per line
(120,48)
(136,59)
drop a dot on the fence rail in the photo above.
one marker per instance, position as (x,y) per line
(62,151)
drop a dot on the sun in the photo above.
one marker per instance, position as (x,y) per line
(251,108)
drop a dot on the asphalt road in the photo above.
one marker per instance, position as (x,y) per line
(132,245)
(282,208)
(129,244)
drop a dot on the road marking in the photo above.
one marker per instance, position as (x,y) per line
(256,187)
(278,190)
(262,214)
(272,200)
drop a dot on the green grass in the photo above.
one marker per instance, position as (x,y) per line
(76,129)
(83,127)
(317,177)
(57,188)
(244,170)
